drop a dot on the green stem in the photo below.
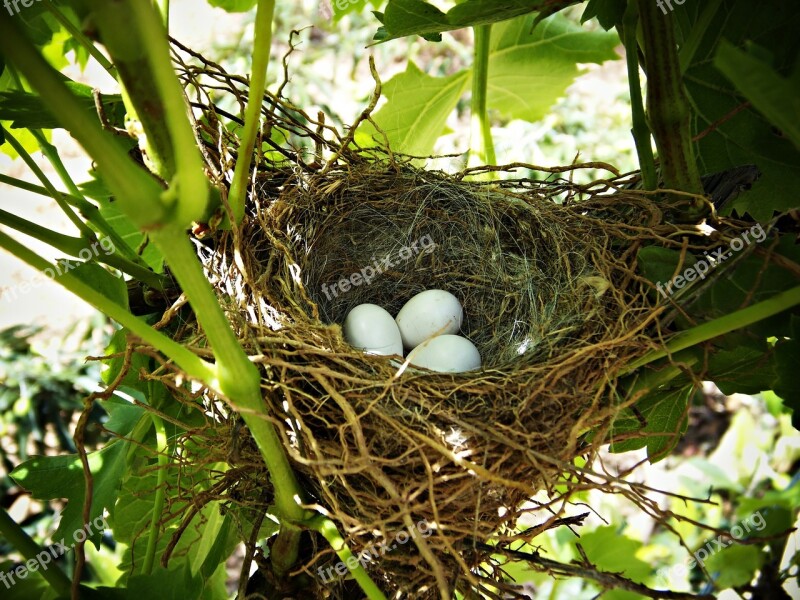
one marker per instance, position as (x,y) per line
(118,29)
(194,366)
(64,243)
(190,180)
(158,502)
(252,117)
(326,527)
(640,130)
(88,210)
(48,149)
(73,246)
(77,34)
(731,322)
(668,108)
(138,195)
(482,145)
(651,379)
(23,543)
(239,379)
(86,233)
(234,376)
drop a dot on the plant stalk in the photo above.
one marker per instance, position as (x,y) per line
(234,376)
(73,246)
(194,366)
(668,108)
(91,213)
(23,543)
(189,180)
(326,527)
(640,130)
(722,325)
(158,502)
(239,379)
(482,145)
(86,233)
(262,43)
(136,191)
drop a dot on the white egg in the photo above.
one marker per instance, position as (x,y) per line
(371,328)
(429,313)
(446,354)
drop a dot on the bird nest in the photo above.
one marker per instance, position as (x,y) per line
(551,299)
(428,475)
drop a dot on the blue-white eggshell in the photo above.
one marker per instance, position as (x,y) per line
(429,313)
(372,329)
(446,354)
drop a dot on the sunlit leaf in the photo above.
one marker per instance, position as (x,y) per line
(418,107)
(531,67)
(665,420)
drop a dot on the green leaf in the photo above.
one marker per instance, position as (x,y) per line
(418,106)
(741,370)
(733,136)
(774,96)
(787,499)
(117,346)
(205,544)
(411,17)
(735,565)
(611,551)
(99,278)
(608,12)
(665,416)
(660,265)
(485,12)
(415,17)
(26,110)
(24,137)
(57,477)
(122,415)
(172,584)
(531,67)
(753,279)
(233,5)
(34,586)
(130,233)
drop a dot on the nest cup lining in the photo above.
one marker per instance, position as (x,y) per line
(522,291)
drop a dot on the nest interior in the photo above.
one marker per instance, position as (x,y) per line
(551,300)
